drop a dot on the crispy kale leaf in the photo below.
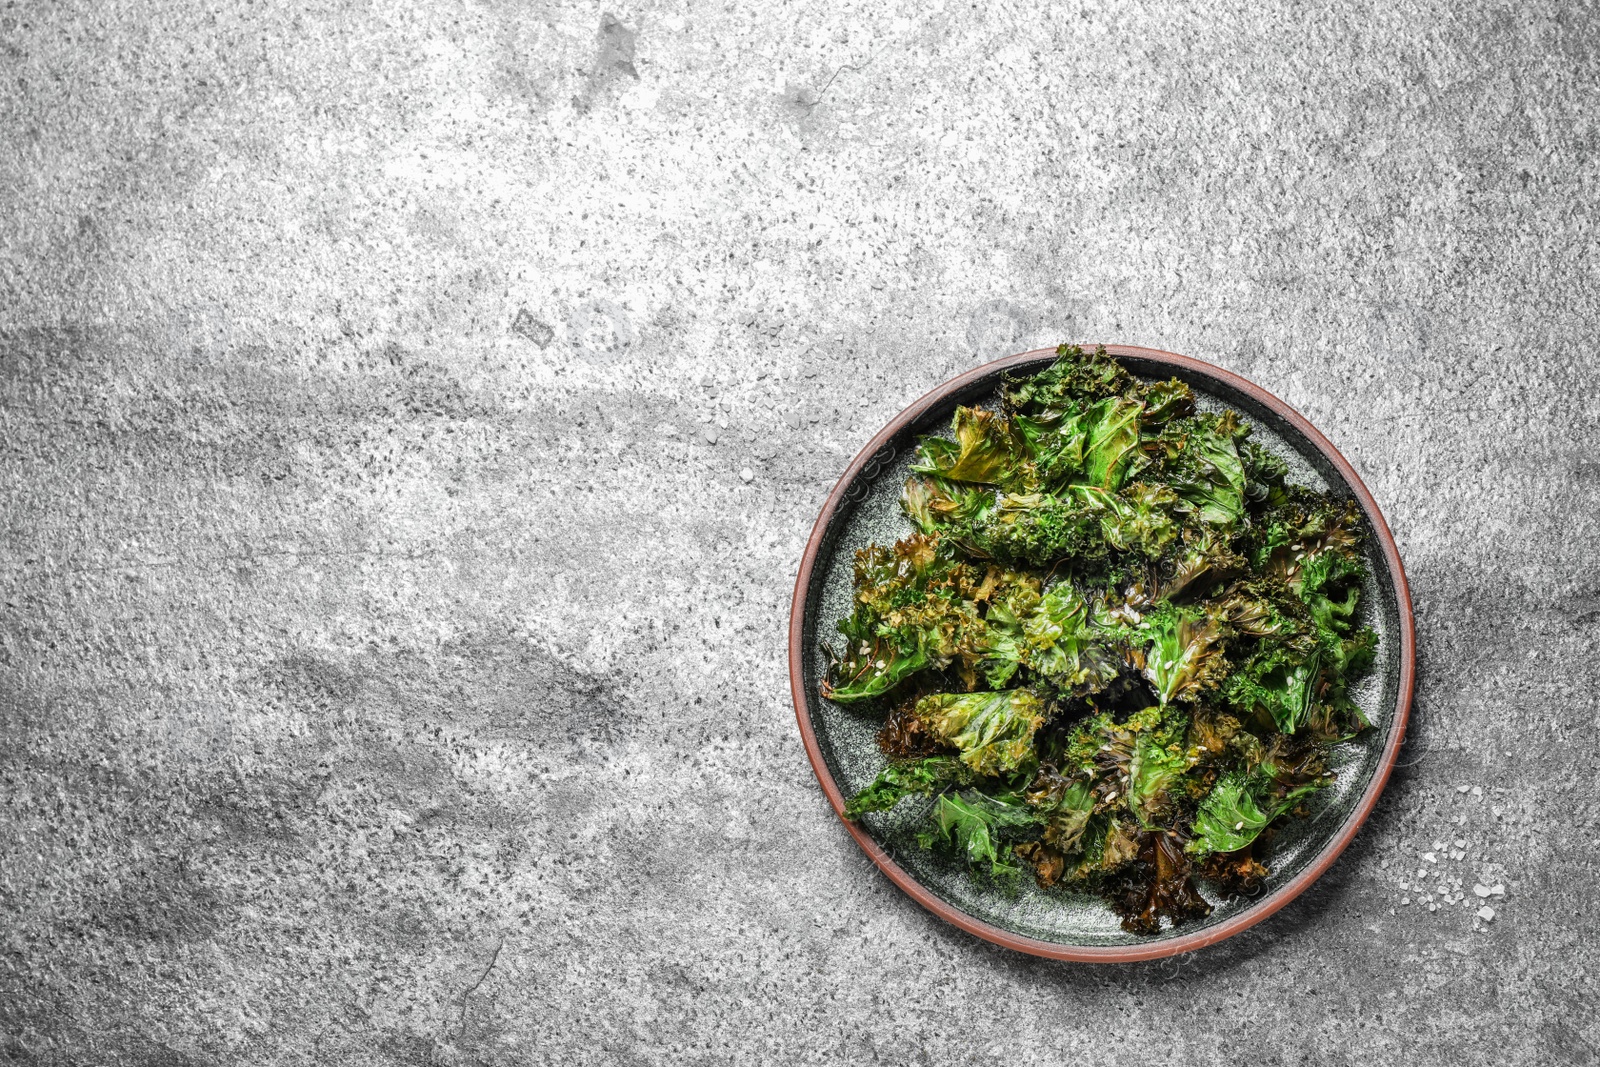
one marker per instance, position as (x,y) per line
(939,505)
(982,827)
(1075,376)
(1160,759)
(992,731)
(1199,459)
(1206,557)
(908,778)
(903,735)
(987,450)
(1065,805)
(1278,686)
(1059,643)
(1158,887)
(914,611)
(1183,650)
(1241,805)
(1142,518)
(1301,526)
(1111,451)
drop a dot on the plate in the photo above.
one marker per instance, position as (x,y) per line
(1060,923)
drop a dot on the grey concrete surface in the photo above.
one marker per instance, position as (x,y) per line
(392,642)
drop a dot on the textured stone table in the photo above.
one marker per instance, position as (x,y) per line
(391,638)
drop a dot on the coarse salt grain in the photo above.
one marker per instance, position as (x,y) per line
(1486,913)
(1480,890)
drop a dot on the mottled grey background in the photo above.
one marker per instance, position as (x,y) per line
(392,640)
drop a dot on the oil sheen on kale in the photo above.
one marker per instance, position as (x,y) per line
(1117,647)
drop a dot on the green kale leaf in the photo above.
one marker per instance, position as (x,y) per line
(1182,656)
(1160,759)
(1239,807)
(914,611)
(1277,685)
(992,731)
(981,826)
(987,449)
(909,778)
(1059,643)
(1199,459)
(1074,378)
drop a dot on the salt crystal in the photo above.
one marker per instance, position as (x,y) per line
(1498,890)
(1477,790)
(1405,900)
(1461,842)
(1481,891)
(747,475)
(1458,854)
(1433,907)
(1430,857)
(1486,913)
(1462,788)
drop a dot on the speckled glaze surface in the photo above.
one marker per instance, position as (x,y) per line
(1061,923)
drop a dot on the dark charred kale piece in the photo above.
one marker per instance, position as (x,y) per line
(1157,886)
(1116,649)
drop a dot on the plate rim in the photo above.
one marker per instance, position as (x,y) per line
(1170,946)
